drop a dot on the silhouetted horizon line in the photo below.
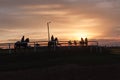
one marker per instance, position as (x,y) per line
(45,39)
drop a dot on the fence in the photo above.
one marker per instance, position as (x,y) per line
(45,43)
(34,45)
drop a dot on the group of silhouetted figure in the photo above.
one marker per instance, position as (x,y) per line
(53,42)
(23,43)
(81,43)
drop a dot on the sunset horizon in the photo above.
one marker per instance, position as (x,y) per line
(59,39)
(70,19)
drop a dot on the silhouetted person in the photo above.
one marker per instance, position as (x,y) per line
(52,38)
(56,41)
(86,41)
(22,39)
(52,42)
(75,42)
(82,42)
(70,43)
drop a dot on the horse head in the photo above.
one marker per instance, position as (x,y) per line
(27,40)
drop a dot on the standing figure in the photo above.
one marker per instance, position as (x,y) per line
(82,42)
(75,42)
(56,41)
(52,38)
(86,42)
(22,39)
(69,42)
(51,42)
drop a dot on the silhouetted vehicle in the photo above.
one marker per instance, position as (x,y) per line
(22,44)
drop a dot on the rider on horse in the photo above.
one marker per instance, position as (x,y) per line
(23,43)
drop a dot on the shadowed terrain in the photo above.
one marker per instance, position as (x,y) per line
(62,64)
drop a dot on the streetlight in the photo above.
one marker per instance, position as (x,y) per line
(48,30)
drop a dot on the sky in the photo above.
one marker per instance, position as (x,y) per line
(70,19)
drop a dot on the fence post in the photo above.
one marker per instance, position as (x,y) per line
(54,45)
(97,49)
(91,49)
(100,49)
(34,47)
(9,46)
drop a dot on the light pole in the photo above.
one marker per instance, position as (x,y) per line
(48,30)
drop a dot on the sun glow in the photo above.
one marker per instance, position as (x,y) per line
(83,34)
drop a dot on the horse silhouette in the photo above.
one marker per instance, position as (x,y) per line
(22,44)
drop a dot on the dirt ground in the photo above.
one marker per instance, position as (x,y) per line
(65,65)
(65,72)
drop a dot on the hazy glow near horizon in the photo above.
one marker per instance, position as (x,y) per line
(70,19)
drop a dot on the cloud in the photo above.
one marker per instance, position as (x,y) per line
(64,14)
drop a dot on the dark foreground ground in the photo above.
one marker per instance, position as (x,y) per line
(65,72)
(67,64)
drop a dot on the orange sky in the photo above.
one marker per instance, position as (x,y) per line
(70,19)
